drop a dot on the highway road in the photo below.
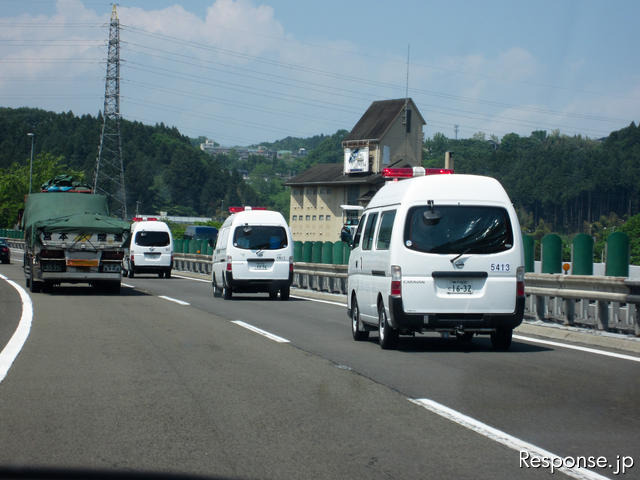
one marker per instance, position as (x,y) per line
(161,379)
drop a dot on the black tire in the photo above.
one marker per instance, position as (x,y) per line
(357,330)
(167,274)
(33,285)
(130,271)
(226,291)
(273,294)
(217,292)
(501,338)
(388,336)
(160,274)
(285,292)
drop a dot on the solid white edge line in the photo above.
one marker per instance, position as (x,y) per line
(319,301)
(191,278)
(503,438)
(259,331)
(175,300)
(577,347)
(19,337)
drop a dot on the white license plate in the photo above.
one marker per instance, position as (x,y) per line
(460,287)
(260,266)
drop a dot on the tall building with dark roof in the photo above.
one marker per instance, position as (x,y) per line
(389,134)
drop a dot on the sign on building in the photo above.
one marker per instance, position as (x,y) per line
(356,160)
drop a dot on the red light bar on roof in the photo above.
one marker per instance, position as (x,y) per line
(242,209)
(410,172)
(438,171)
(144,219)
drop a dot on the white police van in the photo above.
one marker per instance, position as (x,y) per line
(437,252)
(253,253)
(150,248)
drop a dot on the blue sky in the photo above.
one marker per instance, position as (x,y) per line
(247,71)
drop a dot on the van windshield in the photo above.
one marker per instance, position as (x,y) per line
(260,237)
(152,239)
(458,229)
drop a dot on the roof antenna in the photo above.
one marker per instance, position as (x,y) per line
(406,119)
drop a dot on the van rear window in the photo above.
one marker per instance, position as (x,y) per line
(260,237)
(152,239)
(458,229)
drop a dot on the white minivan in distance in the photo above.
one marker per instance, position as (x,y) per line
(150,249)
(438,252)
(253,253)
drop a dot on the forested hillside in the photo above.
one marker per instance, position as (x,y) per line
(560,183)
(566,182)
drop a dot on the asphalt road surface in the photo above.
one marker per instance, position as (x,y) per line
(140,383)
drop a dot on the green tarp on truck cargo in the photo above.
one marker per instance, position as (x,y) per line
(66,212)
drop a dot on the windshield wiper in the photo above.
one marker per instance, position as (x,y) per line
(460,254)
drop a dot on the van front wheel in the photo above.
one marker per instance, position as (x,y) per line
(388,336)
(501,338)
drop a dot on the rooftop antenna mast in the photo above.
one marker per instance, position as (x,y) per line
(406,92)
(109,173)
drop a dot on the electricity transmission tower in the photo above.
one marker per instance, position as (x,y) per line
(109,173)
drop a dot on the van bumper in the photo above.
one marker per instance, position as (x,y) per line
(453,321)
(253,286)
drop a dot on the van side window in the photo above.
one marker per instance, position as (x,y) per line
(367,240)
(222,239)
(384,230)
(356,238)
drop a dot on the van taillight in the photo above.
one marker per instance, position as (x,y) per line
(290,264)
(396,281)
(229,263)
(131,257)
(520,282)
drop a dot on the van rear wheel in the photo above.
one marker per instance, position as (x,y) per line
(501,338)
(357,330)
(226,291)
(388,336)
(284,293)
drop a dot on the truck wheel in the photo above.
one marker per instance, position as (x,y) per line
(33,285)
(357,329)
(501,338)
(388,336)
(284,293)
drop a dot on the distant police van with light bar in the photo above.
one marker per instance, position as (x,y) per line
(439,252)
(150,248)
(253,253)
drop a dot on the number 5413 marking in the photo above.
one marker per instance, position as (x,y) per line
(500,267)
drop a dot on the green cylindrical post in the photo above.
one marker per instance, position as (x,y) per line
(316,252)
(338,253)
(618,255)
(307,248)
(551,253)
(297,251)
(327,252)
(582,260)
(528,243)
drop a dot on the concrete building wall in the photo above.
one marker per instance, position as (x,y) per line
(320,218)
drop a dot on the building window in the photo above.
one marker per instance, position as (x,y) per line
(327,218)
(308,218)
(314,218)
(294,218)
